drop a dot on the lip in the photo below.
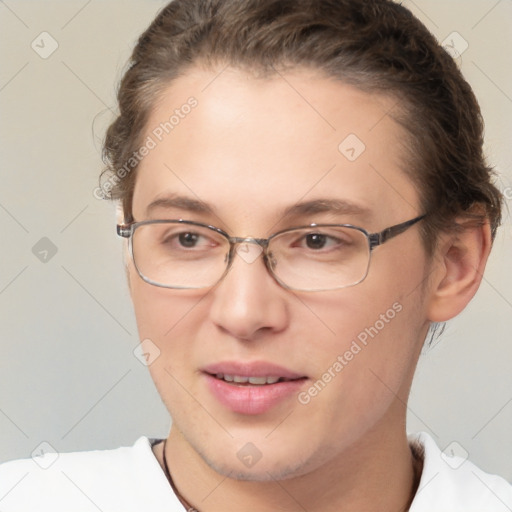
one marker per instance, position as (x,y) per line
(252,399)
(252,369)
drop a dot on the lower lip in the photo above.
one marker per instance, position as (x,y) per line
(252,400)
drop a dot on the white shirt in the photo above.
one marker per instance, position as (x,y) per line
(130,479)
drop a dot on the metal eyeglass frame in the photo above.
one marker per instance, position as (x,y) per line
(374,240)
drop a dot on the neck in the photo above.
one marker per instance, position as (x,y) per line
(375,474)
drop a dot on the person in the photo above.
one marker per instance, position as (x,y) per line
(303,195)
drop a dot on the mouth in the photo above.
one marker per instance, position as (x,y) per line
(244,380)
(252,388)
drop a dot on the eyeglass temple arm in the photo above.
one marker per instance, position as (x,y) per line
(379,238)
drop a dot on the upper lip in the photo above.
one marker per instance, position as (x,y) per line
(251,369)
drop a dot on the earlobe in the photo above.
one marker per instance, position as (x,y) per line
(458,268)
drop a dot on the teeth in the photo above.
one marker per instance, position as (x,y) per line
(255,381)
(259,381)
(269,380)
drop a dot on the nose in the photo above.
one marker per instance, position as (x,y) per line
(248,301)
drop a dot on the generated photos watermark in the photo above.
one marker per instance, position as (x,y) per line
(357,345)
(151,142)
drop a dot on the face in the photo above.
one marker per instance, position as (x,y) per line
(250,149)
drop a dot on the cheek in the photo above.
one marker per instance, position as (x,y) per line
(160,313)
(359,372)
(365,343)
(168,319)
(164,319)
(355,331)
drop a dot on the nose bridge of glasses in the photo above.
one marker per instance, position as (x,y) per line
(249,248)
(262,242)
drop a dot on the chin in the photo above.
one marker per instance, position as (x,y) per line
(280,464)
(260,472)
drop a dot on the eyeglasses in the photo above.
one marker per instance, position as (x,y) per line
(183,254)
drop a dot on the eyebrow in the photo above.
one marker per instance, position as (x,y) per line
(336,206)
(301,209)
(181,203)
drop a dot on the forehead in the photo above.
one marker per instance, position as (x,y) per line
(253,147)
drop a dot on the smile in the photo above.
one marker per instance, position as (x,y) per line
(254,381)
(251,388)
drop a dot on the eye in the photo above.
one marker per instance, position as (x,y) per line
(188,239)
(317,240)
(174,240)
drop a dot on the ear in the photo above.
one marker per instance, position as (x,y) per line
(458,267)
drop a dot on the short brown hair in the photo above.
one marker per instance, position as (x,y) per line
(375,45)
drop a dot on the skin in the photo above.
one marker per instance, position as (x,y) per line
(251,148)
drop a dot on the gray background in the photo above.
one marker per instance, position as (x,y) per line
(67,334)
